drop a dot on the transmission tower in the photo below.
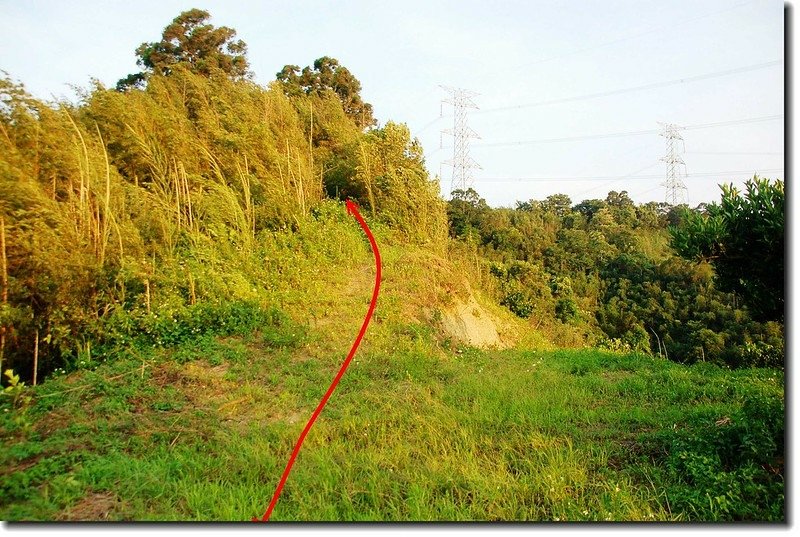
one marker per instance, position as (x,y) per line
(461,162)
(676,191)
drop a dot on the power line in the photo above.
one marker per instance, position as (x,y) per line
(614,177)
(428,126)
(620,155)
(631,133)
(733,122)
(654,85)
(632,36)
(622,90)
(735,153)
(622,178)
(637,194)
(571,138)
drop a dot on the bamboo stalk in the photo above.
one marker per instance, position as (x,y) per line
(84,188)
(5,289)
(249,197)
(5,258)
(147,294)
(248,201)
(119,237)
(107,207)
(290,176)
(5,133)
(96,233)
(191,288)
(176,187)
(302,190)
(187,193)
(367,180)
(37,156)
(36,357)
(283,182)
(310,136)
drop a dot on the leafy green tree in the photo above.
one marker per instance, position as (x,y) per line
(558,204)
(651,215)
(465,212)
(523,288)
(622,207)
(190,41)
(328,75)
(676,214)
(589,208)
(743,238)
(527,206)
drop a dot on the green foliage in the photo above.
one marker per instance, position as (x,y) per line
(397,186)
(523,288)
(614,281)
(558,204)
(15,401)
(732,469)
(105,203)
(170,327)
(465,213)
(182,230)
(327,75)
(758,354)
(566,309)
(14,392)
(743,238)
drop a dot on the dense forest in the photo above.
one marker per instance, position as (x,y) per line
(169,207)
(642,277)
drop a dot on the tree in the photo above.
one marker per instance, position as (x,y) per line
(743,238)
(465,212)
(190,41)
(589,208)
(328,75)
(622,208)
(650,215)
(558,204)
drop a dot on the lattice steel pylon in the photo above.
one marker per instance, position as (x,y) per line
(461,162)
(676,191)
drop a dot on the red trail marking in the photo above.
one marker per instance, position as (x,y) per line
(353,210)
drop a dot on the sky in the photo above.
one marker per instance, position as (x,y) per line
(542,71)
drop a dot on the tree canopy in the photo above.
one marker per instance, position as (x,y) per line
(743,238)
(191,41)
(328,75)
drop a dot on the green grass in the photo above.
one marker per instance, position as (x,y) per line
(413,432)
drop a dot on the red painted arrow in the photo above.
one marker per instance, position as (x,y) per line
(352,209)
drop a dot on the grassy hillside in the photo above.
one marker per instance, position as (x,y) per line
(194,418)
(202,432)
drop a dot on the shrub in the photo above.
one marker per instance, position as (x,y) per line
(732,469)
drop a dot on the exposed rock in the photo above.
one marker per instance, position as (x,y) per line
(470,323)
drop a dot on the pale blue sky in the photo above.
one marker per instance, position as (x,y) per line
(511,53)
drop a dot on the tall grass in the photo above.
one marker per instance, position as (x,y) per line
(117,202)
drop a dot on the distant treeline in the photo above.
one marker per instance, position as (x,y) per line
(608,272)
